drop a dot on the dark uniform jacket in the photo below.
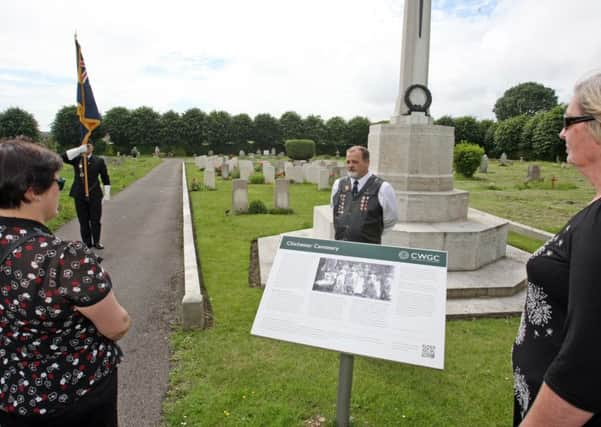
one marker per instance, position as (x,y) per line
(96,167)
(358,218)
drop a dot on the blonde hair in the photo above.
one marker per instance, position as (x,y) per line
(587,93)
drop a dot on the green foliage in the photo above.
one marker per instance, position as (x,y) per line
(242,131)
(15,122)
(235,174)
(144,128)
(445,121)
(526,98)
(281,211)
(485,126)
(525,144)
(171,130)
(508,135)
(257,207)
(357,130)
(467,129)
(65,128)
(489,140)
(300,149)
(466,158)
(315,129)
(336,130)
(219,131)
(267,132)
(546,144)
(257,178)
(194,130)
(117,123)
(291,125)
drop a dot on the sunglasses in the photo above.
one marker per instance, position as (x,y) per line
(60,182)
(572,120)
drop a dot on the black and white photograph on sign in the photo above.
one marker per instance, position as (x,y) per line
(359,279)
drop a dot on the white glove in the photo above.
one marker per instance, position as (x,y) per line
(74,152)
(107,192)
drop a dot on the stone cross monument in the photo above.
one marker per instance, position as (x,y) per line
(415,51)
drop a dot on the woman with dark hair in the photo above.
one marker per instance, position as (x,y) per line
(59,318)
(556,354)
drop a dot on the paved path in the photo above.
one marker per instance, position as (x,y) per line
(142,236)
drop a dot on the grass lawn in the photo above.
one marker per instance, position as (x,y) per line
(121,174)
(224,376)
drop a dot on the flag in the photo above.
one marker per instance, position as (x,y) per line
(87,111)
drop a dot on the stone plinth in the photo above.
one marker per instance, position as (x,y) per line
(413,157)
(471,243)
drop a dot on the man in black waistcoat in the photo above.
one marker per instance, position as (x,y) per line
(364,204)
(89,209)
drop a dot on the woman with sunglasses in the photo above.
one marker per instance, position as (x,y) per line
(557,351)
(59,318)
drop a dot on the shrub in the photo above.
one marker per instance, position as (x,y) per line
(300,149)
(281,211)
(466,158)
(235,173)
(257,207)
(257,178)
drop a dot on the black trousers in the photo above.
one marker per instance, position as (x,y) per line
(89,212)
(98,408)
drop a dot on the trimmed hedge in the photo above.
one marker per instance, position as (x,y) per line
(300,149)
(467,157)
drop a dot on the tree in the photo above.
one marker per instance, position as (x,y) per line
(291,125)
(117,122)
(526,98)
(194,131)
(508,134)
(15,121)
(546,144)
(171,135)
(357,131)
(485,125)
(267,132)
(467,129)
(527,135)
(219,130)
(445,121)
(489,139)
(145,126)
(336,133)
(242,132)
(315,129)
(65,128)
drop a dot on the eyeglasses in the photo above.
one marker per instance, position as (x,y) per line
(572,120)
(60,182)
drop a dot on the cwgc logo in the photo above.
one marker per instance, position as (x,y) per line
(403,255)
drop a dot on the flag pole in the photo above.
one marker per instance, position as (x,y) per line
(87,136)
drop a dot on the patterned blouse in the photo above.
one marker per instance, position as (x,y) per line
(559,338)
(50,354)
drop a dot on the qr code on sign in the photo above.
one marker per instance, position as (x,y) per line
(428,351)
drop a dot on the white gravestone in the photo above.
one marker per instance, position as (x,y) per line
(239,196)
(268,173)
(225,170)
(209,178)
(281,194)
(246,169)
(324,179)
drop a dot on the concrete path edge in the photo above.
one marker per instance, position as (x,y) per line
(192,304)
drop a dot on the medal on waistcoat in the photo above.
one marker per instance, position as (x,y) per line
(363,204)
(341,203)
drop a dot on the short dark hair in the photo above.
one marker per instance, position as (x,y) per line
(25,164)
(364,151)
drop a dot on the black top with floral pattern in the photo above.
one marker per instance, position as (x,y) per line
(559,338)
(50,354)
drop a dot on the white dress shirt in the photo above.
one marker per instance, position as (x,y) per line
(386,197)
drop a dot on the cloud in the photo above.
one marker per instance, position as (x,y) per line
(334,58)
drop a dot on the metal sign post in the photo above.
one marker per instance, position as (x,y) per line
(345,384)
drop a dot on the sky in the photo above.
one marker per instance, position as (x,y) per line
(324,57)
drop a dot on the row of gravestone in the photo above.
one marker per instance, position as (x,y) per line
(281,195)
(318,172)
